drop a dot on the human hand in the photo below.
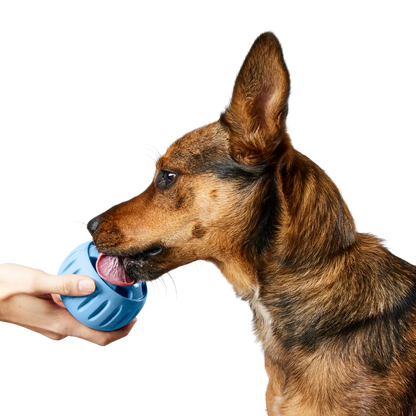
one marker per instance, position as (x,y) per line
(30,298)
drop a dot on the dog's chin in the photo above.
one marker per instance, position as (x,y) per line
(139,270)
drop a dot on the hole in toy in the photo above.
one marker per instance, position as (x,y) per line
(67,267)
(122,320)
(93,255)
(123,291)
(98,310)
(87,300)
(112,316)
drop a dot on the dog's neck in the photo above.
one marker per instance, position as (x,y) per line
(307,231)
(315,223)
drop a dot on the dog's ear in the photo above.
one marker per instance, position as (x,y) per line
(257,114)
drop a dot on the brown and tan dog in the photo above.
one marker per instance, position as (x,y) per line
(334,309)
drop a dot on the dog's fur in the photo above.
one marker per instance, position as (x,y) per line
(333,308)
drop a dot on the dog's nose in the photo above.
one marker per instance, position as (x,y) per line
(93,224)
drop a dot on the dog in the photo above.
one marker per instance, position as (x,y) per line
(333,309)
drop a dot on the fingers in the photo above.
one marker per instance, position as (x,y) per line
(76,329)
(21,290)
(69,285)
(57,299)
(99,337)
(16,279)
(47,318)
(71,327)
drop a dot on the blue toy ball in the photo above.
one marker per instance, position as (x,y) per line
(110,307)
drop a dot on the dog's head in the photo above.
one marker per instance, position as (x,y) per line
(212,189)
(215,194)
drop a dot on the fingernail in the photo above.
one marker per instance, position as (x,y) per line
(86,286)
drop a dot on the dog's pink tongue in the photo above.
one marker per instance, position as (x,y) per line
(111,269)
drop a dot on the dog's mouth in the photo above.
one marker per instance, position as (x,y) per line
(113,270)
(125,271)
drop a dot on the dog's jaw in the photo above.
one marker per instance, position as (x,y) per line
(126,267)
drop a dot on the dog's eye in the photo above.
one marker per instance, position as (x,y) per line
(165,179)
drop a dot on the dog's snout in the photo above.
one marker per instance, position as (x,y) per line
(93,224)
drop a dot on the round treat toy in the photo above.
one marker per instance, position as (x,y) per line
(110,307)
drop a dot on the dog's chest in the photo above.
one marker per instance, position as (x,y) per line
(263,322)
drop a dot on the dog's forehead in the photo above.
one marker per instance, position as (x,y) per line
(195,149)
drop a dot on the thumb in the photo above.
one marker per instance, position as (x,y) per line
(69,285)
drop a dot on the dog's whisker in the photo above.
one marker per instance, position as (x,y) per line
(199,266)
(81,224)
(148,150)
(160,290)
(175,287)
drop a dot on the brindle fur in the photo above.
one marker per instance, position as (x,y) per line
(333,308)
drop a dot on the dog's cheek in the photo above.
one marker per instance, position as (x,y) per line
(184,199)
(172,206)
(198,231)
(180,202)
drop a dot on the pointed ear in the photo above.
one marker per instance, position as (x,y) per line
(257,114)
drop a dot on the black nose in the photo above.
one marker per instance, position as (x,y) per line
(93,225)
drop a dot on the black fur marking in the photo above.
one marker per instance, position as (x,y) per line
(381,337)
(229,169)
(268,214)
(268,222)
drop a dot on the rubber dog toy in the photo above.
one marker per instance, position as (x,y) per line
(110,307)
